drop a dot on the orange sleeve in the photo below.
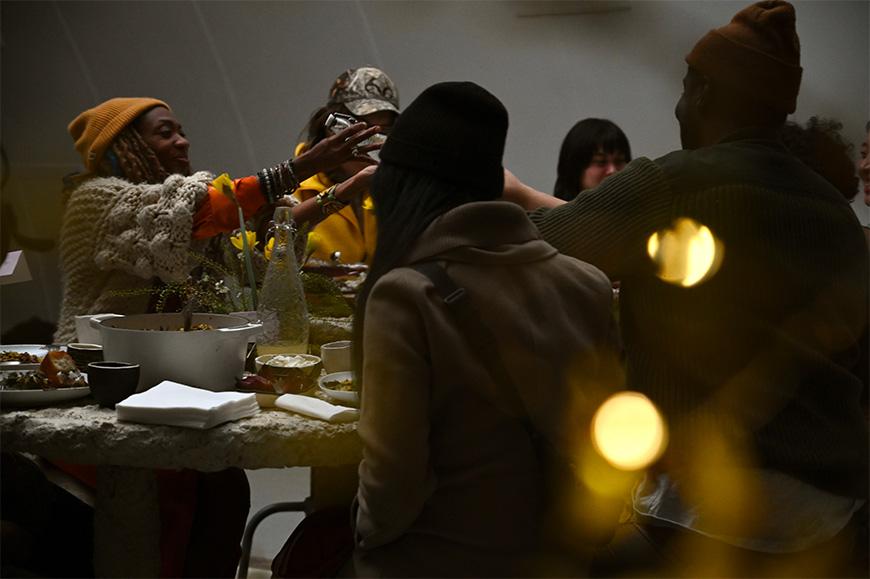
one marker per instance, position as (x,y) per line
(218,214)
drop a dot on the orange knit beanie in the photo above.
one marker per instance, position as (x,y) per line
(94,130)
(757,54)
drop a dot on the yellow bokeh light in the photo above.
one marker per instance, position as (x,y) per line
(686,254)
(628,431)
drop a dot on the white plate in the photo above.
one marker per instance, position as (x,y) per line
(348,398)
(34,349)
(41,397)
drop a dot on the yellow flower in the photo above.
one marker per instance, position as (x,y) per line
(225,185)
(368,204)
(267,251)
(313,243)
(237,242)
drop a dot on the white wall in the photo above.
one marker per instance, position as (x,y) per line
(244,76)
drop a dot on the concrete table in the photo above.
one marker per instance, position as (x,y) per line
(126,511)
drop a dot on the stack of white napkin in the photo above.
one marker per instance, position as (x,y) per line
(316,408)
(175,404)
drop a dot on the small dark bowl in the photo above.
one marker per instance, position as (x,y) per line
(112,382)
(84,354)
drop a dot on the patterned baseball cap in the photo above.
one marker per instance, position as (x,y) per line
(364,91)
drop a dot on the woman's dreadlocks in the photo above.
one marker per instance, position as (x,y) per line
(131,158)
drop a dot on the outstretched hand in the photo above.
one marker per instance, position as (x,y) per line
(525,196)
(356,185)
(337,149)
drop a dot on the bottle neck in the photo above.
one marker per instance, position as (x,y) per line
(283,234)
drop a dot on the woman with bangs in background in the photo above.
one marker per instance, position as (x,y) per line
(593,150)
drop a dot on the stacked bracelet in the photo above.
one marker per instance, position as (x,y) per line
(328,202)
(278,181)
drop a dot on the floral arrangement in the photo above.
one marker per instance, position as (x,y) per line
(225,185)
(232,269)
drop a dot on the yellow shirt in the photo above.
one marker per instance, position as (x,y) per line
(341,231)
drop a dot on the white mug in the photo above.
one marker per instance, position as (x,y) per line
(336,356)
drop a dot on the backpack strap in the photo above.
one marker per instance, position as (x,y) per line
(478,335)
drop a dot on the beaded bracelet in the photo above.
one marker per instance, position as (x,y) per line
(279,178)
(265,188)
(328,202)
(290,174)
(278,181)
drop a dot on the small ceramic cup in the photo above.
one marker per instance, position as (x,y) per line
(84,354)
(112,382)
(336,356)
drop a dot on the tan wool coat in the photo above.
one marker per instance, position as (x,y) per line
(449,484)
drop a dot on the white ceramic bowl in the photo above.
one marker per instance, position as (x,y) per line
(346,397)
(210,359)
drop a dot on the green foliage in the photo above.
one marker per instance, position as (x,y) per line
(324,297)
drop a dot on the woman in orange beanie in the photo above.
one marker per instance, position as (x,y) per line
(131,218)
(138,209)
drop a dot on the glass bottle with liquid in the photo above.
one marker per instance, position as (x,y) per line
(282,308)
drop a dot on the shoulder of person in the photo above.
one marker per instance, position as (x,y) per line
(585,274)
(199,177)
(117,183)
(699,169)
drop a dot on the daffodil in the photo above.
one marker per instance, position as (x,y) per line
(267,251)
(225,185)
(239,244)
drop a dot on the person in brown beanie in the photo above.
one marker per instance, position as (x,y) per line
(751,362)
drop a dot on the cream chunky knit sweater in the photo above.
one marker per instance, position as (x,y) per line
(117,235)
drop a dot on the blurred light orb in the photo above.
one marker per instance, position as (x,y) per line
(686,254)
(628,431)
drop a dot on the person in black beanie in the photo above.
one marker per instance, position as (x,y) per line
(442,458)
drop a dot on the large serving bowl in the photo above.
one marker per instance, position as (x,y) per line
(211,359)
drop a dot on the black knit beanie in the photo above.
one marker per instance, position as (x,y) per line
(454,131)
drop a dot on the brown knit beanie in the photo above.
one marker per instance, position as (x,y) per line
(94,130)
(757,54)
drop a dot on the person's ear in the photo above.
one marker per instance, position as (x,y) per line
(704,94)
(707,95)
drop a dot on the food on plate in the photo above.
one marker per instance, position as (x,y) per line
(36,380)
(23,357)
(56,366)
(341,385)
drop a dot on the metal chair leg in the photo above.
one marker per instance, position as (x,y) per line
(248,537)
